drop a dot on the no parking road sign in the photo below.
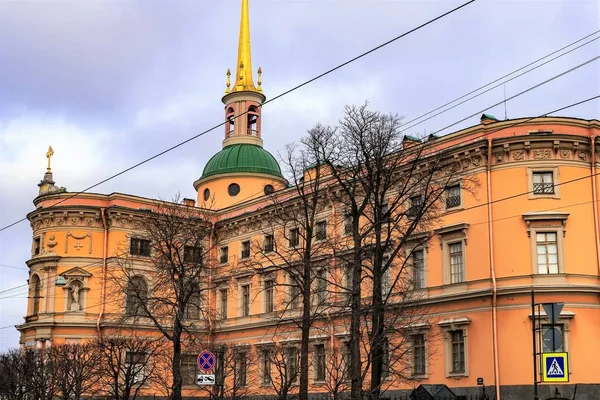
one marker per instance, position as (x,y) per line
(555,367)
(206,361)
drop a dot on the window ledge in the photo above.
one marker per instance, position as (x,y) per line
(457,375)
(454,209)
(452,322)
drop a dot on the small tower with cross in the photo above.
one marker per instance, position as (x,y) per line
(46,185)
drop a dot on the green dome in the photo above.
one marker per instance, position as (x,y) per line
(242,158)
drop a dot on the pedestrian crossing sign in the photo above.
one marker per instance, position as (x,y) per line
(555,367)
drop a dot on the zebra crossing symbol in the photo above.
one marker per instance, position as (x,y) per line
(556,368)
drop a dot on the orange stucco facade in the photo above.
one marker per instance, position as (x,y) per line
(531,223)
(78,239)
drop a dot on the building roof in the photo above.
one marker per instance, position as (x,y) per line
(242,158)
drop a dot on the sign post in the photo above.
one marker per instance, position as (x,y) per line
(206,363)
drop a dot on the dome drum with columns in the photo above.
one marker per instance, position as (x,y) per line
(243,169)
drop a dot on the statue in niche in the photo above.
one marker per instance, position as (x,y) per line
(75,289)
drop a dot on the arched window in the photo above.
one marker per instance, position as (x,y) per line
(137,295)
(252,121)
(230,121)
(36,289)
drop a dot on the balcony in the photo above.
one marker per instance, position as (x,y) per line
(543,188)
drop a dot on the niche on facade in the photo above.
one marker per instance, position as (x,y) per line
(75,289)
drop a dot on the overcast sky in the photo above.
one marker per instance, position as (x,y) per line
(109,83)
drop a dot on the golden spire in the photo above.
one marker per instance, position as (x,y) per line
(243,78)
(49,155)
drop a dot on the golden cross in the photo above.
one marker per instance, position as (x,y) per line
(49,155)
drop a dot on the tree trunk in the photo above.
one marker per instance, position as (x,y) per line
(176,363)
(306,322)
(377,312)
(355,361)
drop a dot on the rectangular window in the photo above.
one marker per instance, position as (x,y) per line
(223,303)
(269,295)
(416,203)
(266,366)
(347,282)
(321,287)
(36,246)
(241,368)
(456,263)
(543,183)
(320,362)
(547,252)
(458,350)
(245,300)
(385,368)
(294,294)
(418,269)
(294,240)
(453,196)
(385,212)
(418,342)
(292,363)
(135,362)
(192,308)
(139,247)
(347,224)
(386,280)
(189,369)
(553,340)
(321,230)
(346,357)
(268,243)
(246,249)
(224,254)
(192,254)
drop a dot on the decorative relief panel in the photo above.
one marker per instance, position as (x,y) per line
(542,154)
(79,242)
(518,155)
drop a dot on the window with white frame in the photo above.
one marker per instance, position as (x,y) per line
(321,230)
(136,364)
(291,363)
(245,299)
(268,243)
(241,368)
(455,346)
(547,252)
(294,238)
(189,369)
(453,198)
(224,254)
(543,182)
(419,356)
(223,298)
(415,206)
(458,350)
(418,257)
(269,295)
(294,293)
(453,242)
(266,366)
(457,272)
(319,362)
(245,249)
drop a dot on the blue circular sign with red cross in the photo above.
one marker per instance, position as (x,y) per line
(206,361)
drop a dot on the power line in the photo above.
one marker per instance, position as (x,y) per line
(501,83)
(245,112)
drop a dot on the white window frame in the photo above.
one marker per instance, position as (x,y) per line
(448,326)
(546,222)
(450,235)
(555,180)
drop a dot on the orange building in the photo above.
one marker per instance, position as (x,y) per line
(532,224)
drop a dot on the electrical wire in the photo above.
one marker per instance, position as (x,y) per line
(244,113)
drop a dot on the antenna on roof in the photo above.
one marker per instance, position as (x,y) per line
(505,114)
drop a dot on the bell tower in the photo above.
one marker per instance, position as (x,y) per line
(243,99)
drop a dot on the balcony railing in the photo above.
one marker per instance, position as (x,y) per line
(252,132)
(452,201)
(543,188)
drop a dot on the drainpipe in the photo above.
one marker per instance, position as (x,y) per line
(492,270)
(595,198)
(104,252)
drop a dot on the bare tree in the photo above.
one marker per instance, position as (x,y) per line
(294,249)
(126,364)
(15,371)
(74,369)
(41,383)
(162,276)
(282,370)
(391,188)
